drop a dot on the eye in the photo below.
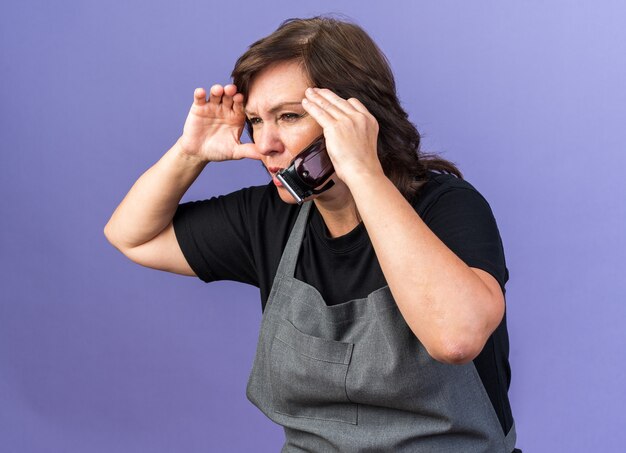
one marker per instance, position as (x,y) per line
(290,117)
(254,120)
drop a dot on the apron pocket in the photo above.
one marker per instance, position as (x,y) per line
(308,376)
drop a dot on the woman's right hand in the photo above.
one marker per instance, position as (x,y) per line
(213,128)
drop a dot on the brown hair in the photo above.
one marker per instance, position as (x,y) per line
(341,56)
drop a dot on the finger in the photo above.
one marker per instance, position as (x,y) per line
(199,96)
(238,104)
(322,117)
(354,102)
(313,95)
(337,101)
(229,92)
(216,93)
(247,150)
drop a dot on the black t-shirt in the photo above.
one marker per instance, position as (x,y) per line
(241,237)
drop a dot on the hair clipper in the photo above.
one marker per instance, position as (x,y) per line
(308,170)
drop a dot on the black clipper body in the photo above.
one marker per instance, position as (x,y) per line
(308,170)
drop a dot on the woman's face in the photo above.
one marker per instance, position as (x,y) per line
(281,128)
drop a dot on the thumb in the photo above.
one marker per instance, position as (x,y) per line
(247,150)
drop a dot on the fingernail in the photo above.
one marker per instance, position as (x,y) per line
(309,90)
(305,101)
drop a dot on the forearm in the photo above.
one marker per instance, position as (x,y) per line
(151,203)
(444,302)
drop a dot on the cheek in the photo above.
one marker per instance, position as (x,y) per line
(303,135)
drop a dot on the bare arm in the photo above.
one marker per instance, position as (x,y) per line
(144,217)
(141,226)
(451,307)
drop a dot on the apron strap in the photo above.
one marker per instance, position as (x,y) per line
(510,439)
(287,266)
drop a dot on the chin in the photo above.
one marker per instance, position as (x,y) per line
(285,196)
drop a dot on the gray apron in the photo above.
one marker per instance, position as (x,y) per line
(354,378)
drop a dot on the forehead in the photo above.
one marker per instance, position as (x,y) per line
(279,83)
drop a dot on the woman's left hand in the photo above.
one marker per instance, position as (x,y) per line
(350,130)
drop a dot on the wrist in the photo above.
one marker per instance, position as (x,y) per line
(362,177)
(187,157)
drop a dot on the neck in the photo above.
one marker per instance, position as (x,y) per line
(338,209)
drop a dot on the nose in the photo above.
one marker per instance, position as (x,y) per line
(267,140)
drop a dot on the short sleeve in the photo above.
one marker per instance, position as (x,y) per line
(463,220)
(214,237)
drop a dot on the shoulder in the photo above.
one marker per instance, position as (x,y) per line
(462,218)
(246,202)
(257,212)
(445,191)
(233,236)
(438,183)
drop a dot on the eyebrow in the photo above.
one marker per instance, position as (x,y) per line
(276,108)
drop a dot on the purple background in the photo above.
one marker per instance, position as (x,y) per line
(99,355)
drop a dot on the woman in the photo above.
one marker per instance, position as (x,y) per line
(383,296)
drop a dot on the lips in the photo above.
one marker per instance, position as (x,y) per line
(273,171)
